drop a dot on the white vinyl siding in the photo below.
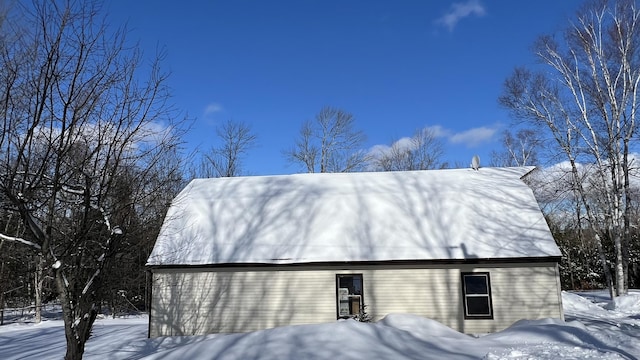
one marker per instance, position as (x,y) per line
(204,301)
(191,303)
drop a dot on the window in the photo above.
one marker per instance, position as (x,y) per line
(476,296)
(349,295)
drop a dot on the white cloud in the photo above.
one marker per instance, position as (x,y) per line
(473,137)
(438,131)
(154,133)
(460,11)
(405,143)
(470,138)
(212,108)
(378,151)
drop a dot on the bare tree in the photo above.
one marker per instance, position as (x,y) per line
(329,144)
(86,134)
(519,149)
(586,101)
(422,151)
(225,160)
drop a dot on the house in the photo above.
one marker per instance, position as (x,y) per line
(470,249)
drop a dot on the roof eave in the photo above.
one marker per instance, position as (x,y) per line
(399,263)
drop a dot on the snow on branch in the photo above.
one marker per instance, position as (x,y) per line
(88,284)
(115,230)
(71,189)
(20,240)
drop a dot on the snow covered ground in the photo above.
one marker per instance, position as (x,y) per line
(595,329)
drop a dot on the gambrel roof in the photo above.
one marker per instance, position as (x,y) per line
(456,214)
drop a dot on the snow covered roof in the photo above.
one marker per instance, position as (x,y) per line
(302,218)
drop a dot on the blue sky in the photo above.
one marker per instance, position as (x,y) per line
(397,66)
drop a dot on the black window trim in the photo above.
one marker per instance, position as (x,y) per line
(337,286)
(468,316)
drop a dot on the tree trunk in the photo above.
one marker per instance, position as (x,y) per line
(75,350)
(75,342)
(626,237)
(605,266)
(1,295)
(571,278)
(620,273)
(79,316)
(39,284)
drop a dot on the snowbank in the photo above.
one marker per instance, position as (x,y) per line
(629,304)
(593,330)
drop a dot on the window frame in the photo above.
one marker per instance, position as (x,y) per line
(466,296)
(342,275)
